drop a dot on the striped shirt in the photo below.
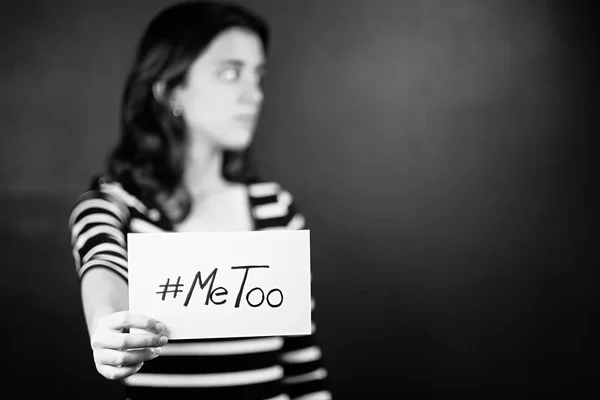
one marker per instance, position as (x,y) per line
(277,368)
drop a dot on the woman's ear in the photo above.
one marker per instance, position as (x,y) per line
(158,91)
(168,99)
(174,97)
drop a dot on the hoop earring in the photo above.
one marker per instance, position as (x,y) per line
(177,111)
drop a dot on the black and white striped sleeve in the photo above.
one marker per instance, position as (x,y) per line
(98,237)
(305,376)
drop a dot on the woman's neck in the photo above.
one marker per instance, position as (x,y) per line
(203,175)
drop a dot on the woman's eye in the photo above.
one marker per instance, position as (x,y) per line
(230,74)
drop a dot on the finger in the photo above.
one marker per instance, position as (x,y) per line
(124,341)
(118,358)
(128,319)
(110,372)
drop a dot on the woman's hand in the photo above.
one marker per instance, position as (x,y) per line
(117,354)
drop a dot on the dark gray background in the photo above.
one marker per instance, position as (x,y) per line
(439,150)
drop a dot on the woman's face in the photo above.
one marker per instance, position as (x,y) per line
(221,99)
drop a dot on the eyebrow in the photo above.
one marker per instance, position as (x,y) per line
(239,64)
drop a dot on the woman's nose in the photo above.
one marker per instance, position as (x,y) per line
(252,94)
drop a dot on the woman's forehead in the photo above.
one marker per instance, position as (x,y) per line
(234,45)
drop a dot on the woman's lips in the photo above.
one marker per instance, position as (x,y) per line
(246,118)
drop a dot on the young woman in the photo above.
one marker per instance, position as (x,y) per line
(189,109)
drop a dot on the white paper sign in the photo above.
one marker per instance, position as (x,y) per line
(222,284)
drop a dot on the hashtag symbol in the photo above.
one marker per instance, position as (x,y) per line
(169,285)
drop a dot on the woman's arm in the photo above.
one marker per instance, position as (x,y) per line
(102,293)
(98,233)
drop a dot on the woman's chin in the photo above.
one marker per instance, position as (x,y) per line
(237,142)
(236,146)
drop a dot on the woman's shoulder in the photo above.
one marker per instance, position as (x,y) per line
(105,195)
(266,186)
(270,190)
(263,188)
(102,187)
(274,202)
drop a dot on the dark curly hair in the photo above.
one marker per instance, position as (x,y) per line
(149,161)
